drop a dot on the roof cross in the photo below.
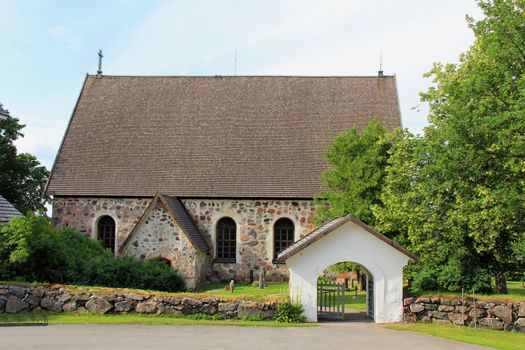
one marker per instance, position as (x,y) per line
(99,71)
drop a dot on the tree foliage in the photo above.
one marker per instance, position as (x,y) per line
(454,196)
(458,191)
(32,250)
(22,177)
(357,161)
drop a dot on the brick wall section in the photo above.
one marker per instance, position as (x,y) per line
(495,315)
(254,219)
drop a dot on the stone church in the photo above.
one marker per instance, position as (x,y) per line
(213,175)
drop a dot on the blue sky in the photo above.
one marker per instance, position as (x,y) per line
(47,47)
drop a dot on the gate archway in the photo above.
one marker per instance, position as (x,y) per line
(348,239)
(339,299)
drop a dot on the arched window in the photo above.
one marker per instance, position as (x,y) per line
(106,232)
(226,241)
(283,235)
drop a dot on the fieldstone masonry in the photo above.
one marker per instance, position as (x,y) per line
(254,219)
(162,238)
(34,299)
(500,316)
(159,236)
(83,213)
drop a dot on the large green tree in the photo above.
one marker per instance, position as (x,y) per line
(22,177)
(458,191)
(357,161)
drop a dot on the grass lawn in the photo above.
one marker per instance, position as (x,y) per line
(275,292)
(515,288)
(484,337)
(355,304)
(358,304)
(246,289)
(88,318)
(516,294)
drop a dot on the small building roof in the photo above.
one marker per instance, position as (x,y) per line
(215,137)
(7,211)
(331,226)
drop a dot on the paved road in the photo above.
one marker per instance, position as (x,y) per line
(362,336)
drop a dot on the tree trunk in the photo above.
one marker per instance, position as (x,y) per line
(361,280)
(501,283)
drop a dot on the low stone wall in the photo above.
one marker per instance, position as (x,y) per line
(500,315)
(34,299)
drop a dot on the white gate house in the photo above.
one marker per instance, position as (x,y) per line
(348,239)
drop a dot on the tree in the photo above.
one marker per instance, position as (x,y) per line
(458,192)
(22,178)
(519,256)
(354,181)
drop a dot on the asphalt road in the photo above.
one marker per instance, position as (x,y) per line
(362,336)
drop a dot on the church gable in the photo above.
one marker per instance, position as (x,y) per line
(157,236)
(160,234)
(164,223)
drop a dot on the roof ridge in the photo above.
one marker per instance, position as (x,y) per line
(241,76)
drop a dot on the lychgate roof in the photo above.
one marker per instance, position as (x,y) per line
(257,136)
(330,227)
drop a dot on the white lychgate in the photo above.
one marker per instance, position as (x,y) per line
(348,239)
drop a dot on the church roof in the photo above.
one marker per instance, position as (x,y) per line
(7,211)
(229,137)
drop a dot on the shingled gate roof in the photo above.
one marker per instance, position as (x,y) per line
(331,226)
(7,211)
(231,137)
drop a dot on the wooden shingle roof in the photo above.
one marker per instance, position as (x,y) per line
(243,137)
(329,227)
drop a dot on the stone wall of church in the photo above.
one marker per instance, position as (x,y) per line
(83,213)
(255,220)
(159,236)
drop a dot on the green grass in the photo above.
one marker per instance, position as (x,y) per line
(516,294)
(484,337)
(246,289)
(275,292)
(88,318)
(355,304)
(515,288)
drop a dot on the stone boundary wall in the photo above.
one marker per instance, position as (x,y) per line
(494,315)
(34,299)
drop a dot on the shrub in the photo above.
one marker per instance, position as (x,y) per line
(31,249)
(290,312)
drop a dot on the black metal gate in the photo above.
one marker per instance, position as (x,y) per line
(370,296)
(331,301)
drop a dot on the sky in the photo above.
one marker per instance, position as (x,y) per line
(47,47)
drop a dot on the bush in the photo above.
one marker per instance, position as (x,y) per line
(290,312)
(453,276)
(31,249)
